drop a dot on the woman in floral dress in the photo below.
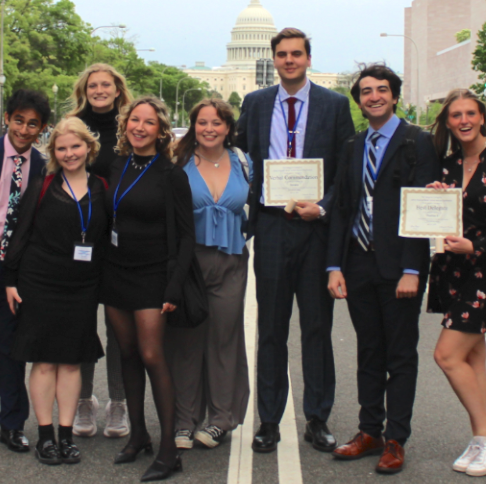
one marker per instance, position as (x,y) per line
(458,277)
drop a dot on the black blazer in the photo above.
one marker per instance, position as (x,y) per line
(393,253)
(329,124)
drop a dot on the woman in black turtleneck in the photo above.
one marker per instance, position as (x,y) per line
(99,94)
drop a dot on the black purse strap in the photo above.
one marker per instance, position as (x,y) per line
(170,215)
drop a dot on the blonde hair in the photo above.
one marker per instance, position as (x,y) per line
(78,128)
(164,141)
(79,100)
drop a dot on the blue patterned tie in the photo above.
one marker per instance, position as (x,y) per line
(13,205)
(364,226)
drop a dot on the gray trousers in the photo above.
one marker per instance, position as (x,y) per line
(116,390)
(208,363)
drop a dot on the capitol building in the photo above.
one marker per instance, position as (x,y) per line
(250,41)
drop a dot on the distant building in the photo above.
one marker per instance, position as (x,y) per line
(250,41)
(443,63)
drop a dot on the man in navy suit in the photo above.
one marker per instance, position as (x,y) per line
(381,275)
(27,115)
(294,119)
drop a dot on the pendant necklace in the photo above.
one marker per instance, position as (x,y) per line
(141,167)
(215,163)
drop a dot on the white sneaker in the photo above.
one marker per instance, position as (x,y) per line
(184,439)
(117,423)
(211,436)
(477,467)
(85,420)
(463,461)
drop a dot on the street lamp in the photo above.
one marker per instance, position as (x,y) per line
(2,75)
(147,50)
(384,34)
(161,75)
(183,105)
(55,89)
(176,115)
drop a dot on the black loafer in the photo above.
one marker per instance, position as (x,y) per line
(15,440)
(267,438)
(317,432)
(69,452)
(48,453)
(159,471)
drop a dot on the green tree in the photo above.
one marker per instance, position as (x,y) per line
(479,62)
(235,100)
(463,35)
(359,121)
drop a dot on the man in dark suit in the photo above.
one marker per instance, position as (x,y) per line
(302,120)
(26,116)
(381,275)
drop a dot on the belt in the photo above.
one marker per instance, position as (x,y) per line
(355,244)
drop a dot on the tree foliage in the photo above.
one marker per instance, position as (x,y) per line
(235,100)
(479,61)
(463,35)
(359,121)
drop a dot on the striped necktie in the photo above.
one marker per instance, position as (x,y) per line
(370,174)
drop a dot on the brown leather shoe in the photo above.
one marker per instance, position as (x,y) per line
(392,459)
(361,446)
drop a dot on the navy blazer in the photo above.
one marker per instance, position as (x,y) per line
(329,125)
(393,253)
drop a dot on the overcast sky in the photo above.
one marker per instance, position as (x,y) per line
(185,31)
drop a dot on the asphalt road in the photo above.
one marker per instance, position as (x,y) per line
(440,433)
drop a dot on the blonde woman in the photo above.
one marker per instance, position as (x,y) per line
(136,289)
(53,268)
(99,94)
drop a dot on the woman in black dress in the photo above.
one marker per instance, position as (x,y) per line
(136,290)
(99,94)
(458,277)
(53,267)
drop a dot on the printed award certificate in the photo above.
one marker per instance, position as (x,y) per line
(429,213)
(301,180)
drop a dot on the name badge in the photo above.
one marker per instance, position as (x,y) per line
(83,252)
(369,202)
(114,237)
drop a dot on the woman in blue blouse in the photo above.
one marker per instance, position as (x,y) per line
(209,363)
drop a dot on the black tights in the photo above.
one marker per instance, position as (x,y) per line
(140,335)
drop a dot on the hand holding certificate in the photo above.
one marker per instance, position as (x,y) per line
(300,180)
(427,212)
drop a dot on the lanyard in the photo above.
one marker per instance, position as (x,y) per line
(116,203)
(84,228)
(290,135)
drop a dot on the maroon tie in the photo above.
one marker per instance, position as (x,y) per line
(291,135)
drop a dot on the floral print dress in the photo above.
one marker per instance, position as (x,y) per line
(457,284)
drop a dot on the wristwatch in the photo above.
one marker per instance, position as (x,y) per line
(322,212)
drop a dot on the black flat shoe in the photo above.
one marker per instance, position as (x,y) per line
(130,452)
(15,440)
(69,452)
(267,438)
(159,471)
(48,453)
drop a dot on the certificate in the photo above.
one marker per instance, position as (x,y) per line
(291,178)
(428,213)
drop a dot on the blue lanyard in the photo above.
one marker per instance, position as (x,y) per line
(84,228)
(290,136)
(115,203)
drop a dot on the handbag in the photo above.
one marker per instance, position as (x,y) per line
(193,308)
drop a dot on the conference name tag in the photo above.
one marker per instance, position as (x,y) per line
(83,252)
(114,238)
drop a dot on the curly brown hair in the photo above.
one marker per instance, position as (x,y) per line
(187,145)
(78,128)
(164,141)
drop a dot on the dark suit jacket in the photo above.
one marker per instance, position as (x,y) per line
(393,253)
(7,319)
(329,124)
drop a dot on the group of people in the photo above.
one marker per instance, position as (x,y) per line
(94,226)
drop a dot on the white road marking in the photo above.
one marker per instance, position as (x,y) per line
(241,458)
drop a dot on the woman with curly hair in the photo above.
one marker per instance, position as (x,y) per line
(458,277)
(136,289)
(53,268)
(99,94)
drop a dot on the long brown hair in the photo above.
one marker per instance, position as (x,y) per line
(163,144)
(442,134)
(187,145)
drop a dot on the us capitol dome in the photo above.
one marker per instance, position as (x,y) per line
(250,41)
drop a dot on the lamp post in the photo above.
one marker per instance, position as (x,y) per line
(55,89)
(147,50)
(176,115)
(183,100)
(2,75)
(161,75)
(384,34)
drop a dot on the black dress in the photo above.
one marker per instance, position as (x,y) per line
(135,272)
(457,285)
(57,316)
